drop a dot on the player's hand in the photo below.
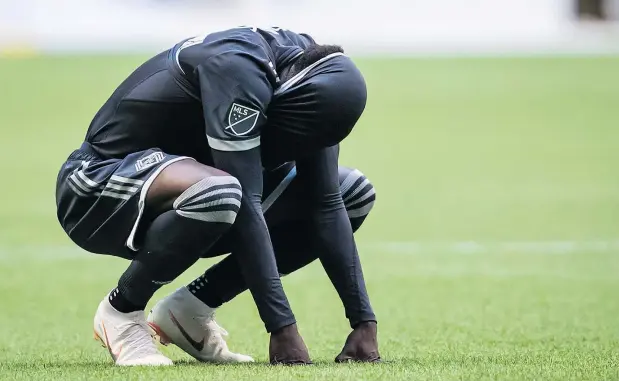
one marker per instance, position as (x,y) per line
(288,348)
(361,345)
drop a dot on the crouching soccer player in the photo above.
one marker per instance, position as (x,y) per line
(174,167)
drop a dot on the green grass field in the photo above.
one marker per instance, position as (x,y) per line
(492,252)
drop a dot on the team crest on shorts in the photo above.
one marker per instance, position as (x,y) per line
(241,120)
(149,161)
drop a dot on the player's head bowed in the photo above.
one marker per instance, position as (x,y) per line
(321,98)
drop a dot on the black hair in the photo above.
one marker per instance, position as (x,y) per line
(312,54)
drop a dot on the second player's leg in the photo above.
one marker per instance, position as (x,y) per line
(293,244)
(291,235)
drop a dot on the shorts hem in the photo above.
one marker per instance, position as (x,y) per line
(130,240)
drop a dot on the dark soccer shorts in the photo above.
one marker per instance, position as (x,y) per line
(100,202)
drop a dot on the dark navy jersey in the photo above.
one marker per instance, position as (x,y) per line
(235,73)
(207,92)
(208,97)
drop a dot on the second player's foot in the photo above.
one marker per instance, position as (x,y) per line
(127,337)
(361,345)
(183,320)
(288,348)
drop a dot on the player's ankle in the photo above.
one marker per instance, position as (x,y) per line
(287,330)
(363,325)
(121,304)
(205,292)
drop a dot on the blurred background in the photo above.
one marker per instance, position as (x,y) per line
(387,26)
(491,135)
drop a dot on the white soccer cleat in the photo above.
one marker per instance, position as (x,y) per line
(127,337)
(183,320)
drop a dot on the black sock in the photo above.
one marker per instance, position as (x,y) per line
(205,291)
(121,304)
(224,280)
(172,244)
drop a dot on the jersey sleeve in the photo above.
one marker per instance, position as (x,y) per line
(336,245)
(235,90)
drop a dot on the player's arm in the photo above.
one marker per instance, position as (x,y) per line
(334,236)
(236,91)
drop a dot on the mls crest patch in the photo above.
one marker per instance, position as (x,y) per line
(149,161)
(241,120)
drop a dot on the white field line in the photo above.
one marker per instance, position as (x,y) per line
(477,247)
(62,252)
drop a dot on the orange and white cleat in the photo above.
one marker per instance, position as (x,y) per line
(127,337)
(183,320)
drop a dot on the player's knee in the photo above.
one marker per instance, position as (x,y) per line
(212,199)
(358,193)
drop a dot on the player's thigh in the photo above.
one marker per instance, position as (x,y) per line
(100,202)
(173,181)
(105,206)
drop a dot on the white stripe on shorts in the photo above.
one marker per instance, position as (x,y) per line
(123,196)
(88,181)
(122,188)
(79,193)
(126,180)
(79,183)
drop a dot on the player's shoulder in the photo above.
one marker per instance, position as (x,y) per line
(277,44)
(239,52)
(245,40)
(285,36)
(226,42)
(221,50)
(273,41)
